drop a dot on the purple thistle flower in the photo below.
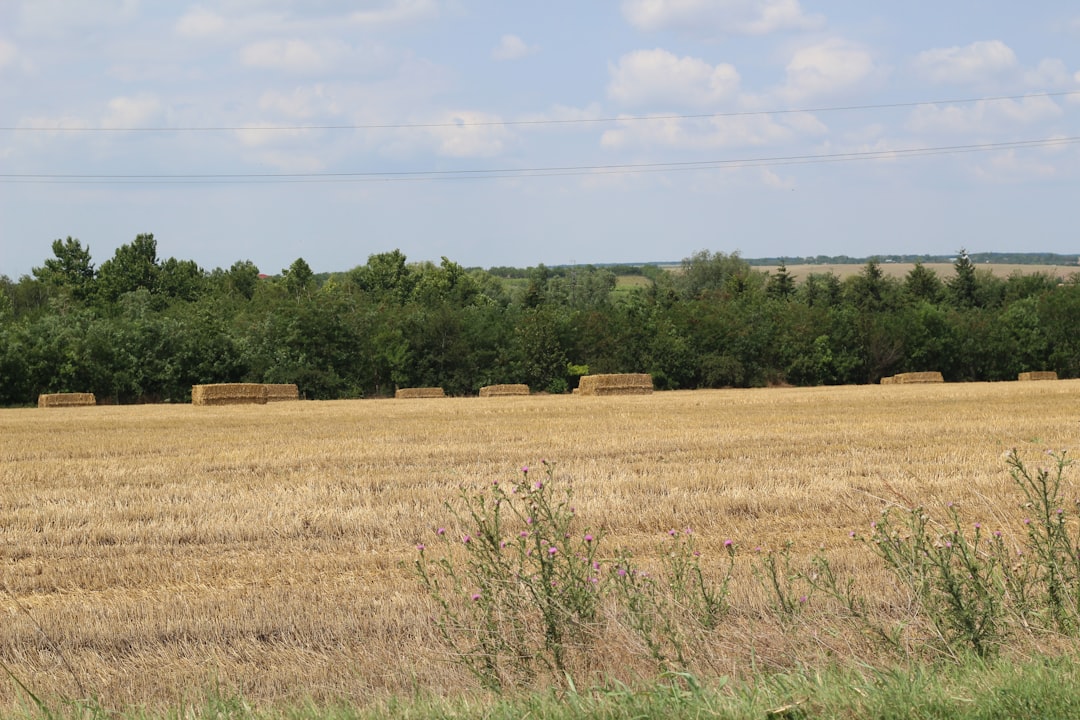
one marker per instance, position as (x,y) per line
(728,543)
(440,531)
(552,550)
(524,533)
(525,469)
(671,532)
(622,572)
(420,547)
(475,597)
(588,538)
(466,539)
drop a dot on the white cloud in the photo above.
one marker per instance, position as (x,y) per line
(974,63)
(1050,73)
(396,12)
(56,18)
(657,77)
(717,133)
(825,69)
(1012,166)
(199,22)
(983,117)
(127,112)
(511,47)
(9,54)
(723,17)
(468,134)
(302,103)
(260,135)
(297,56)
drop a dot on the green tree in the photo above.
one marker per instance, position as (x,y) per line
(1058,311)
(704,272)
(781,284)
(923,284)
(542,358)
(386,278)
(870,290)
(134,266)
(181,279)
(963,285)
(70,270)
(299,279)
(821,290)
(242,278)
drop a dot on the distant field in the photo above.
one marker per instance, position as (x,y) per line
(944,270)
(165,549)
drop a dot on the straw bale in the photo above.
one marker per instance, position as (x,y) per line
(425,392)
(891,380)
(501,390)
(918,377)
(229,394)
(616,384)
(1038,375)
(282,392)
(66,400)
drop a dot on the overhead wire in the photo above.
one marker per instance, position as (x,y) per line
(540,171)
(548,171)
(461,123)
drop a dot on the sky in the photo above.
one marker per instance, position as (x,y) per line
(560,132)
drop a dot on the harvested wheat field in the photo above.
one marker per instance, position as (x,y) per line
(151,552)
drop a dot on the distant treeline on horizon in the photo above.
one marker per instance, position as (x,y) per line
(983,258)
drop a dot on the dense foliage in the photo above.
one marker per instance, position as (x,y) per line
(137,328)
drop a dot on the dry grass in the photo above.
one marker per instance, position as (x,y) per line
(164,548)
(52,400)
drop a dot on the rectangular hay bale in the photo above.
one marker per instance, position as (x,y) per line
(229,394)
(919,377)
(279,392)
(425,392)
(66,400)
(1038,375)
(891,380)
(504,390)
(616,384)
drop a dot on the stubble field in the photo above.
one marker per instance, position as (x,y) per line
(151,552)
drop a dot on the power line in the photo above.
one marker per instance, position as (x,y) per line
(503,173)
(510,123)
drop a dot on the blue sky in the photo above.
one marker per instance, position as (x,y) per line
(513,133)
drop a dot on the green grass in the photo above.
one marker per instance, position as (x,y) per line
(1038,687)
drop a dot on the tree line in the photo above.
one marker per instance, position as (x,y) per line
(137,328)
